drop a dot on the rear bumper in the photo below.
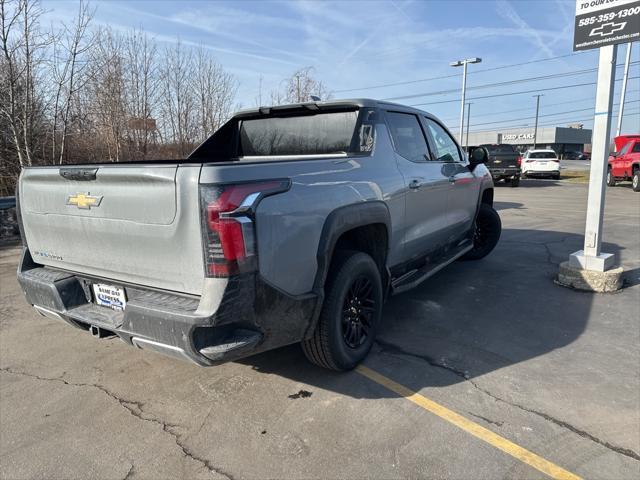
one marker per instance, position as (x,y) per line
(498,173)
(542,173)
(244,317)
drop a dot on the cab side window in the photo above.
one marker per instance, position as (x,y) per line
(408,137)
(443,145)
(636,148)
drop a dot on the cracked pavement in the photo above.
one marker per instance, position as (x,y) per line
(553,370)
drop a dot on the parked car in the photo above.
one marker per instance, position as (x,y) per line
(574,156)
(625,164)
(541,163)
(289,224)
(504,163)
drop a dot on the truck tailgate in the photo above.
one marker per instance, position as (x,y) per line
(129,223)
(503,160)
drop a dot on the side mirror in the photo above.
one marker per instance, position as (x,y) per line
(478,155)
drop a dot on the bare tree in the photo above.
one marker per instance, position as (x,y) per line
(299,87)
(215,91)
(107,90)
(72,93)
(178,100)
(76,41)
(141,85)
(21,103)
(10,12)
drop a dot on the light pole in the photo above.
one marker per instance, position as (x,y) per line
(623,89)
(463,63)
(466,141)
(535,129)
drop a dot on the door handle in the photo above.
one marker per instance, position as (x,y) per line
(415,184)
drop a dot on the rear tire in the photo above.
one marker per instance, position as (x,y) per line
(515,182)
(611,181)
(486,234)
(635,181)
(350,314)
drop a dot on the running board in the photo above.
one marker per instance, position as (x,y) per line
(415,277)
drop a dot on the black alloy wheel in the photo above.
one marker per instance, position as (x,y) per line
(350,315)
(357,312)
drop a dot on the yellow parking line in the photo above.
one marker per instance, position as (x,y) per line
(501,443)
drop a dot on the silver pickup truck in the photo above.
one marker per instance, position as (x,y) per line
(289,224)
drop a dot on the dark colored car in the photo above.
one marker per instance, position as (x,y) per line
(504,162)
(573,156)
(576,156)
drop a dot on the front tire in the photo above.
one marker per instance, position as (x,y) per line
(611,181)
(486,234)
(350,314)
(635,181)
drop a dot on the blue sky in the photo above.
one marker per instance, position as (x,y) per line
(353,44)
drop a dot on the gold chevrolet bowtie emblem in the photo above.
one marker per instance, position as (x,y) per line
(84,200)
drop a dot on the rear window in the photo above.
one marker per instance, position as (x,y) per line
(323,133)
(542,155)
(499,148)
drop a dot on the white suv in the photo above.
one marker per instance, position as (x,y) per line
(541,163)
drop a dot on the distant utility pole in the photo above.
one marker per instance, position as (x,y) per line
(463,63)
(298,88)
(623,90)
(466,142)
(535,129)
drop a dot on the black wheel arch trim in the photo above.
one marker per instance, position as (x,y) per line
(483,190)
(339,221)
(342,220)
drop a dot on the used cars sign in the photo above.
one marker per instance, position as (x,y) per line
(605,22)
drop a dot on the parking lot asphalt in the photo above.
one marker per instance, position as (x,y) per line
(553,371)
(575,165)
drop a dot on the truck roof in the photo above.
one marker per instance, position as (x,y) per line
(327,104)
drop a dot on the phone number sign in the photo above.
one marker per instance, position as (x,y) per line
(606,22)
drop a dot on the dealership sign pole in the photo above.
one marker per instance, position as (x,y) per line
(601,24)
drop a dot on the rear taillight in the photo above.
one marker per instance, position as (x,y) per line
(228,231)
(519,160)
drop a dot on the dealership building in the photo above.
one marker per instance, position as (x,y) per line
(560,139)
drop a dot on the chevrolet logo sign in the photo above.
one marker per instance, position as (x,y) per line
(84,200)
(607,29)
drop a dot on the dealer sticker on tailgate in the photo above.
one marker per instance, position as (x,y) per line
(109,296)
